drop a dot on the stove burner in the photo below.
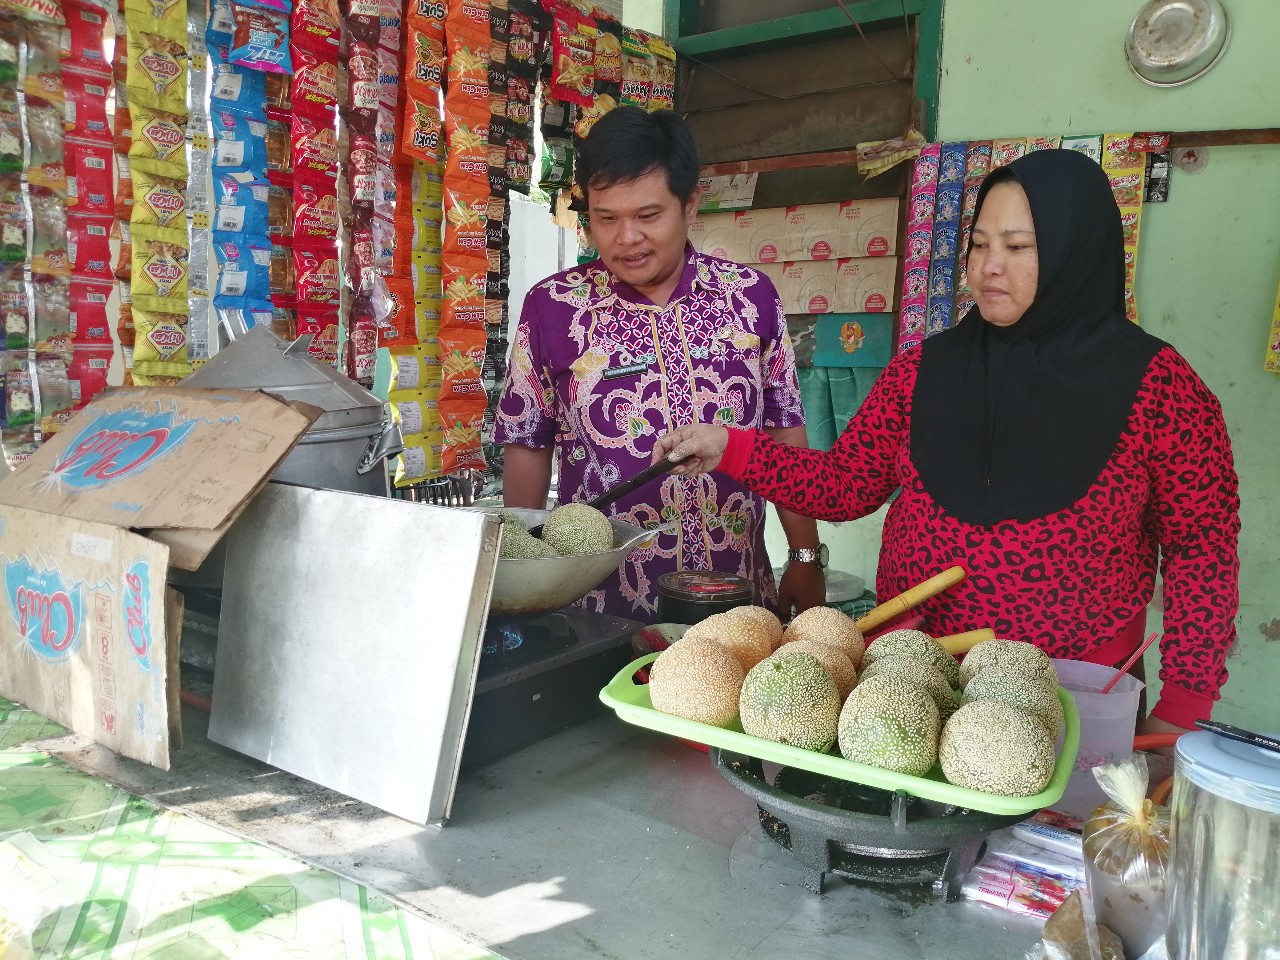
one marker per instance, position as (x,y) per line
(862,833)
(513,640)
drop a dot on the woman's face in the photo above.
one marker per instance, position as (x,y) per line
(1004,268)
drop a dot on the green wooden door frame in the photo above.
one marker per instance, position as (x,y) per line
(680,24)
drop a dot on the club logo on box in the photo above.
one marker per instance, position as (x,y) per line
(46,608)
(119,444)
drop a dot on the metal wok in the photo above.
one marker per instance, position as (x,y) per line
(542,584)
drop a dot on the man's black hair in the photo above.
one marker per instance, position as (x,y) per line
(627,143)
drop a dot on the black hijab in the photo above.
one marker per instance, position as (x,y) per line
(1015,423)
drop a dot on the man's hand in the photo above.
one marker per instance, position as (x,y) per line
(701,441)
(802,586)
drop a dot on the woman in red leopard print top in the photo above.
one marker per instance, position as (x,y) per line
(1050,447)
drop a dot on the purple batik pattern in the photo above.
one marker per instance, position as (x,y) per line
(601,372)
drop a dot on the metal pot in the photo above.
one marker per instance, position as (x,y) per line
(542,584)
(347,447)
(1172,42)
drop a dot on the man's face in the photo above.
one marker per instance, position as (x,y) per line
(640,228)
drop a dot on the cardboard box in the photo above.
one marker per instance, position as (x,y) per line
(89,630)
(809,286)
(864,285)
(713,234)
(850,228)
(759,236)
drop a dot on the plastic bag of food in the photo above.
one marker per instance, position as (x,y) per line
(1126,851)
(1072,934)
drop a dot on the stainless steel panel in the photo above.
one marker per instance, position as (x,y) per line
(350,639)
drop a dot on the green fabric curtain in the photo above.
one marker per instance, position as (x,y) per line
(830,396)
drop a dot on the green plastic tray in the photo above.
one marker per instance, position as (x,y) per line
(630,700)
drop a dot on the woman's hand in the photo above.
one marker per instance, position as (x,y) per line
(704,443)
(803,585)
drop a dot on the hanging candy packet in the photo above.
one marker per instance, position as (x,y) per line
(463,279)
(239,141)
(319,277)
(243,204)
(15,312)
(236,89)
(261,39)
(362,75)
(88,373)
(573,57)
(465,212)
(317,28)
(662,96)
(241,316)
(157,74)
(52,328)
(86,106)
(49,235)
(316,216)
(159,267)
(56,404)
(89,183)
(392,303)
(279,147)
(467,156)
(315,84)
(46,167)
(160,344)
(284,285)
(160,136)
(221,28)
(13,228)
(463,421)
(165,18)
(88,308)
(362,161)
(244,267)
(462,351)
(280,214)
(44,62)
(637,70)
(315,151)
(89,247)
(158,200)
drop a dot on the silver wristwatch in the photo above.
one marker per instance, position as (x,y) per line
(819,556)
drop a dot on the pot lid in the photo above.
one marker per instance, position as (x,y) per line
(1242,772)
(259,360)
(841,587)
(1172,42)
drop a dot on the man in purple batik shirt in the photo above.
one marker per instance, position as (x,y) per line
(611,355)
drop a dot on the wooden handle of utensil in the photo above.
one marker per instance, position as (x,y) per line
(961,643)
(910,598)
(639,480)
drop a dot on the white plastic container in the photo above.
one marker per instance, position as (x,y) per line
(1225,890)
(1107,725)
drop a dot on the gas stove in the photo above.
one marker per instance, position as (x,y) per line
(862,833)
(540,675)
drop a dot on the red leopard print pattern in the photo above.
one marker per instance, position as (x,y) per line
(1069,582)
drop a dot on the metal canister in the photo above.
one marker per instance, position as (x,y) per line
(690,596)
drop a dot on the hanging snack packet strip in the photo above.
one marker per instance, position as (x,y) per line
(463,422)
(662,96)
(464,278)
(637,70)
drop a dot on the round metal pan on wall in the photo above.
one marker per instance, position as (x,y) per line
(1172,42)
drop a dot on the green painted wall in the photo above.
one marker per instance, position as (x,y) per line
(1209,261)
